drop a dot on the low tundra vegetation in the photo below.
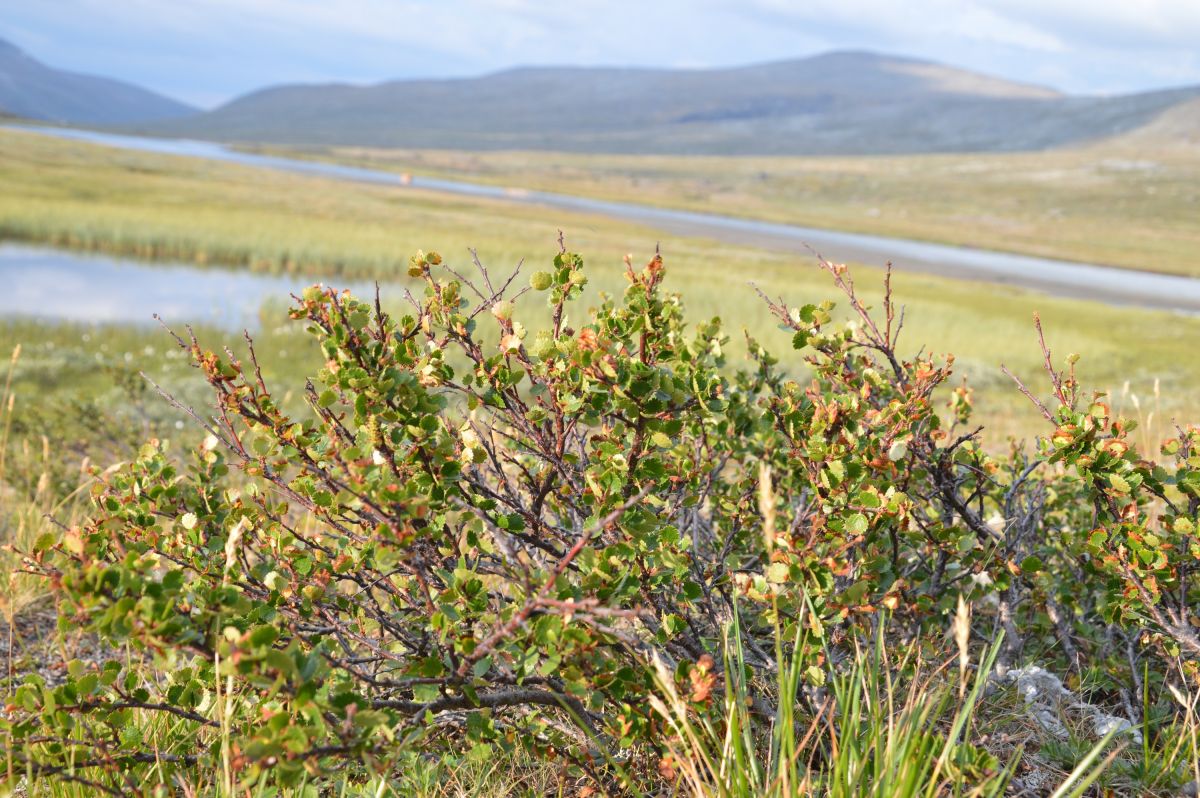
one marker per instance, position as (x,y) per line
(603,554)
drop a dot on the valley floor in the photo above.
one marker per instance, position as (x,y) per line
(161,207)
(1128,203)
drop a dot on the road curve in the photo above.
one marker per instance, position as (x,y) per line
(1065,278)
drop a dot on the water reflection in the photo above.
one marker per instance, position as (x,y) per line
(64,286)
(1066,278)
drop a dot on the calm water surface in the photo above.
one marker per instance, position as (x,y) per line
(65,286)
(1066,278)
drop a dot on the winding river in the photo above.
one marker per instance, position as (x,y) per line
(1066,278)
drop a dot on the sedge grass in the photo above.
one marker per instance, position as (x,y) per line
(916,733)
(889,727)
(32,501)
(1113,203)
(92,197)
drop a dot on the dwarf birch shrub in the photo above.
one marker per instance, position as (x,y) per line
(483,538)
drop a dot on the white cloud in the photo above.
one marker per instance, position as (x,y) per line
(925,20)
(1111,23)
(206,48)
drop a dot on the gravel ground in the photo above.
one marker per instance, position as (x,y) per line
(33,644)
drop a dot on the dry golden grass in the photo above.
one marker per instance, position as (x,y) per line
(1119,203)
(91,197)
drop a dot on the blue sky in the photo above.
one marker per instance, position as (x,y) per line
(208,51)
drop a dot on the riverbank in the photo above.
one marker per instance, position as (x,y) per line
(1145,286)
(94,197)
(1113,203)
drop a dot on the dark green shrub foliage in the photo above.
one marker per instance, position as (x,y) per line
(479,536)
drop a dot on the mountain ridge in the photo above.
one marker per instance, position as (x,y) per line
(33,90)
(842,102)
(847,102)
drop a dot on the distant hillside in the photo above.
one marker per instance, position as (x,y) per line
(1179,126)
(31,89)
(848,102)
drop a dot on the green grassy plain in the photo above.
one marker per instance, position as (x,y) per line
(76,393)
(1117,203)
(87,197)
